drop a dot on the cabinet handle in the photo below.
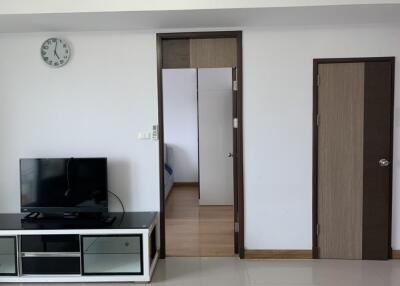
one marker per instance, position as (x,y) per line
(50,254)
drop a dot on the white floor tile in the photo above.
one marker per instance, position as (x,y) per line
(279,272)
(235,272)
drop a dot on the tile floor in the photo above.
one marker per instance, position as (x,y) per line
(233,271)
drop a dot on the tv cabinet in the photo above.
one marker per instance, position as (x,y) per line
(64,251)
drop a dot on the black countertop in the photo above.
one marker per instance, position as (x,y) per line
(128,220)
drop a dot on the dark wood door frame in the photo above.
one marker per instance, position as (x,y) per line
(239,171)
(316,63)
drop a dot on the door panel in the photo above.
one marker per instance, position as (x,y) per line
(377,146)
(213,53)
(340,160)
(215,136)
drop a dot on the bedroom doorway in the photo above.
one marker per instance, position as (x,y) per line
(201,189)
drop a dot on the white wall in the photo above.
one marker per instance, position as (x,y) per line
(117,72)
(94,106)
(278,126)
(180,122)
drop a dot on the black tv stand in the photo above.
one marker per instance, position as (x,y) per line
(88,220)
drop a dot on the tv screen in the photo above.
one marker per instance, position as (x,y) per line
(64,185)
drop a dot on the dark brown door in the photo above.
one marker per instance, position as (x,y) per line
(354,155)
(378,120)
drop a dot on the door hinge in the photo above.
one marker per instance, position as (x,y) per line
(317,230)
(318,80)
(318,119)
(236,227)
(155,133)
(235,123)
(235,85)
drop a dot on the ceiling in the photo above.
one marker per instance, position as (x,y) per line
(79,6)
(192,19)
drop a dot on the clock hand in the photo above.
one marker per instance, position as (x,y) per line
(55,51)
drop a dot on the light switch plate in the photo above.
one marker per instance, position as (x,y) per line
(144,136)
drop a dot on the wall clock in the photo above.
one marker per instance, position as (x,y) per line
(55,52)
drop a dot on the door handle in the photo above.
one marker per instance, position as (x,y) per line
(384,162)
(229,155)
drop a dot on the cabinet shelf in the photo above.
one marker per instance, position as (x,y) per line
(7,263)
(112,263)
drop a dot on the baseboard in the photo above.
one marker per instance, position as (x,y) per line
(278,254)
(396,254)
(290,254)
(186,184)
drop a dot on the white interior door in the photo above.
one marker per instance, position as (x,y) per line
(215,136)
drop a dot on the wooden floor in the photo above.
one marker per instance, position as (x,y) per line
(197,231)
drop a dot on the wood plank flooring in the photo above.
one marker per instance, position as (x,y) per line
(197,231)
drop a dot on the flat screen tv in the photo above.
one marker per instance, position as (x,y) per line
(64,185)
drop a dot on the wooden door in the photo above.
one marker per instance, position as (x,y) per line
(354,139)
(340,164)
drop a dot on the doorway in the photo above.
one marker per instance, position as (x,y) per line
(352,174)
(186,50)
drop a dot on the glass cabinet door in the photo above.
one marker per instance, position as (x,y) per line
(8,256)
(112,255)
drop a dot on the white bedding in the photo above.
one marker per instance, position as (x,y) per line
(168,178)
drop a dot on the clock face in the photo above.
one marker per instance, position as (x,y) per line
(55,52)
